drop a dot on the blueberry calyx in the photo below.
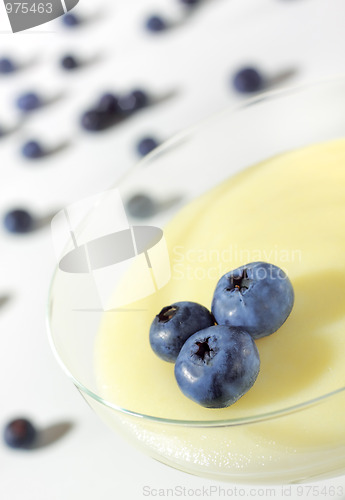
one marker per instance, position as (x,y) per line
(167,313)
(204,350)
(240,282)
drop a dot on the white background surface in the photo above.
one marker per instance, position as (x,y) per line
(193,62)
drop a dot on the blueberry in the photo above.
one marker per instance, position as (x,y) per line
(7,66)
(18,221)
(190,2)
(109,103)
(248,80)
(69,62)
(32,150)
(29,101)
(218,365)
(133,101)
(141,206)
(70,20)
(146,145)
(19,433)
(174,325)
(95,120)
(155,24)
(258,297)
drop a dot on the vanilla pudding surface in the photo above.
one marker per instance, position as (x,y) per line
(288,210)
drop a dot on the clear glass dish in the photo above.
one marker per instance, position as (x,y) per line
(173,175)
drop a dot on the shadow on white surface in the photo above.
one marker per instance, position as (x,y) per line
(44,221)
(4,299)
(53,433)
(282,77)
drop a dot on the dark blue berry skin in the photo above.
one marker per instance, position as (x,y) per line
(7,66)
(146,145)
(217,366)
(70,20)
(109,103)
(135,100)
(18,221)
(248,80)
(32,150)
(19,433)
(155,24)
(95,120)
(258,297)
(29,102)
(69,62)
(174,325)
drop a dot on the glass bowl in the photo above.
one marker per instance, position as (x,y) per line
(275,446)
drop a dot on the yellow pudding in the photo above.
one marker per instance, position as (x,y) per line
(290,211)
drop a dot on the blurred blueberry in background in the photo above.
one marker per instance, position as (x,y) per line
(146,145)
(141,206)
(95,120)
(70,20)
(7,66)
(155,24)
(32,149)
(18,221)
(190,3)
(69,62)
(109,103)
(248,80)
(19,433)
(29,101)
(133,101)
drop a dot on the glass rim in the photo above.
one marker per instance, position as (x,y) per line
(166,145)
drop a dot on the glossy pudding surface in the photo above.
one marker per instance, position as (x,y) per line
(288,210)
